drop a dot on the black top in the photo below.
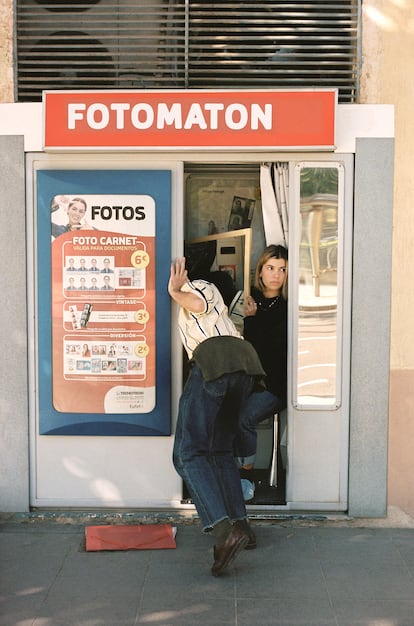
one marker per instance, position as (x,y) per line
(267,332)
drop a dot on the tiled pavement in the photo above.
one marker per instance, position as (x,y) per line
(312,574)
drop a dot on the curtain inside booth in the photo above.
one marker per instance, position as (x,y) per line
(274,185)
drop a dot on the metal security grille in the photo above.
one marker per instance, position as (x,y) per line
(165,44)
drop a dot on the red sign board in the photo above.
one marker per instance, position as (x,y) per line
(250,119)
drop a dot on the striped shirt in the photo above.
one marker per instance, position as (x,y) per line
(212,322)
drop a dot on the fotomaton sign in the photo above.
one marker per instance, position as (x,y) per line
(258,119)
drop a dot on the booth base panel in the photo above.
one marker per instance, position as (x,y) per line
(264,494)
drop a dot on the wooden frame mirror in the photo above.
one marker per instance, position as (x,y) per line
(231,253)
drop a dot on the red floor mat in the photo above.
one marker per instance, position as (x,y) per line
(145,537)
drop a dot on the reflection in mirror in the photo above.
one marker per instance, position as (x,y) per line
(318,357)
(225,252)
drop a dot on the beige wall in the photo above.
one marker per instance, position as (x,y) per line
(401,441)
(6,51)
(387,77)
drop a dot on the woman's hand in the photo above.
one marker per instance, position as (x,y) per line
(84,226)
(250,307)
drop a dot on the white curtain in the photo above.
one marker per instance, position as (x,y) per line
(274,185)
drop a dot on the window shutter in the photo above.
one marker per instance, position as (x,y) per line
(168,44)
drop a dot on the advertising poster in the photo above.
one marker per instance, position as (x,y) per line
(103,254)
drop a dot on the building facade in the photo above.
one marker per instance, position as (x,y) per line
(380,460)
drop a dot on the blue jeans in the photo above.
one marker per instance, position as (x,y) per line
(259,406)
(203,446)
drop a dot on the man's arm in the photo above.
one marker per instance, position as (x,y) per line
(178,278)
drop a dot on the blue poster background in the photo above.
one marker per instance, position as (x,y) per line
(155,183)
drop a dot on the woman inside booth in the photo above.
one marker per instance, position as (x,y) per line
(265,327)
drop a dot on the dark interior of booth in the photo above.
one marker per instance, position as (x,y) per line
(221,199)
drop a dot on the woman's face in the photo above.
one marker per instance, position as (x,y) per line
(273,275)
(76,211)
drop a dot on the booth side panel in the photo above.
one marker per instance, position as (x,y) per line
(14,449)
(371,327)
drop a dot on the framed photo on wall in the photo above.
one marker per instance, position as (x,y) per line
(241,213)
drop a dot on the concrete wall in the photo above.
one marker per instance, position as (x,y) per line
(14,439)
(387,69)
